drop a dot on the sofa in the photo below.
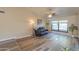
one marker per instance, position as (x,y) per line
(40,31)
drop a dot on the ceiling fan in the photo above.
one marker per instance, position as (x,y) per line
(51,13)
(2,11)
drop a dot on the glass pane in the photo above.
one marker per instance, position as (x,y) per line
(54,25)
(63,21)
(63,25)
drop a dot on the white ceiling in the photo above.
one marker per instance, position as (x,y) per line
(44,11)
(60,11)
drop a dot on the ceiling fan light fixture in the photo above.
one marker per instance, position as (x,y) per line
(50,15)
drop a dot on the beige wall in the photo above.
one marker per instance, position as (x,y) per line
(77,17)
(72,20)
(15,23)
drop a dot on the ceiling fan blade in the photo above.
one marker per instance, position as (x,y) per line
(2,11)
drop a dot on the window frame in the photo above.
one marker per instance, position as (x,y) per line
(59,27)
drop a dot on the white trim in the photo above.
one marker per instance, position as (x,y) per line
(15,37)
(63,33)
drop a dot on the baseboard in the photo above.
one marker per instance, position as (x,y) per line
(15,37)
(62,33)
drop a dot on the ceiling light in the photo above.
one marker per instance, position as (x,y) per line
(49,15)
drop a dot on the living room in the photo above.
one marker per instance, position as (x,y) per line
(18,24)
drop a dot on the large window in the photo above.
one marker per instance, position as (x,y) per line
(60,25)
(55,25)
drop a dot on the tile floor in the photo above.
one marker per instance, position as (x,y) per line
(51,42)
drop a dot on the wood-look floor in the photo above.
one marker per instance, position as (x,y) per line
(50,42)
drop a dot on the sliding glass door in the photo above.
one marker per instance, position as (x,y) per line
(60,25)
(55,25)
(63,25)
